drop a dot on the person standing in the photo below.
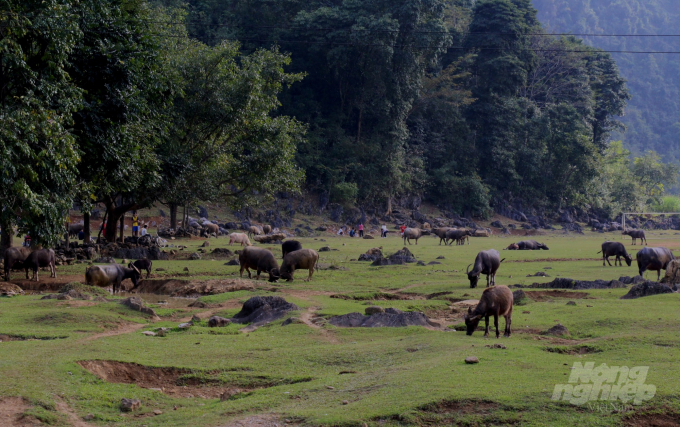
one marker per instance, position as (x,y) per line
(361,230)
(135,224)
(383,231)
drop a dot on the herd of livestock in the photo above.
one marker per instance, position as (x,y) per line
(496,301)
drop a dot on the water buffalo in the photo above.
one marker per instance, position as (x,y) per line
(414,233)
(496,301)
(531,245)
(513,247)
(290,246)
(457,235)
(211,228)
(258,259)
(74,229)
(441,233)
(254,230)
(636,234)
(654,259)
(38,259)
(239,238)
(616,249)
(14,258)
(487,262)
(142,264)
(266,229)
(111,275)
(300,259)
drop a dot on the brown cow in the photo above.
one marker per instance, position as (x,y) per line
(305,259)
(495,301)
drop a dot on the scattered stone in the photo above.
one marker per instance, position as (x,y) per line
(421,263)
(557,330)
(402,256)
(262,310)
(373,310)
(232,262)
(216,321)
(129,405)
(344,402)
(149,333)
(195,256)
(325,249)
(205,244)
(125,261)
(368,237)
(433,263)
(105,260)
(526,312)
(198,304)
(471,360)
(441,257)
(291,320)
(195,319)
(88,417)
(184,325)
(520,297)
(588,305)
(564,283)
(500,346)
(222,251)
(136,303)
(646,289)
(390,318)
(538,274)
(157,412)
(371,255)
(631,280)
(186,269)
(330,387)
(571,303)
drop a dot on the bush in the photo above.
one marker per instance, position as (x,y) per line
(667,204)
(345,193)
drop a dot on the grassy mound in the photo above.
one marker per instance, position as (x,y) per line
(83,289)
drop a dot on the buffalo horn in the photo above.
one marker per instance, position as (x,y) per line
(468,269)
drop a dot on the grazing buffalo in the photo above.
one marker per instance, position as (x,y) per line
(74,229)
(654,259)
(142,264)
(616,249)
(14,259)
(441,233)
(255,230)
(496,301)
(239,238)
(38,259)
(111,275)
(305,259)
(531,245)
(258,259)
(266,229)
(487,262)
(211,228)
(290,246)
(636,234)
(415,234)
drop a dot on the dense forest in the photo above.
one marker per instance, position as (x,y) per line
(468,104)
(653,113)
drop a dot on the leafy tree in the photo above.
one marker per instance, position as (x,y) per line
(38,153)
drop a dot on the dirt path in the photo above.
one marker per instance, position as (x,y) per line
(72,417)
(11,411)
(123,329)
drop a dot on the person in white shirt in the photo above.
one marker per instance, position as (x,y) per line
(384,230)
(144,230)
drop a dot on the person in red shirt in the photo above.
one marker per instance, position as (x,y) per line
(402,228)
(361,230)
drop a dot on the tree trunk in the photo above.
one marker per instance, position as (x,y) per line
(389,206)
(122,227)
(6,238)
(67,241)
(115,213)
(86,227)
(173,216)
(184,217)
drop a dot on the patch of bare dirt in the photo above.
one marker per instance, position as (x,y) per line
(12,413)
(73,418)
(124,328)
(178,382)
(462,407)
(259,421)
(652,420)
(186,288)
(46,283)
(548,295)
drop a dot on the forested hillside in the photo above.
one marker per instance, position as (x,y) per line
(653,113)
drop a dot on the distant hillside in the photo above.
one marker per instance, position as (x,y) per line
(653,114)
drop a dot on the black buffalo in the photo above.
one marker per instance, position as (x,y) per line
(616,249)
(654,259)
(38,259)
(14,259)
(636,234)
(487,262)
(531,245)
(290,246)
(142,264)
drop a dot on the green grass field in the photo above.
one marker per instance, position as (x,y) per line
(317,374)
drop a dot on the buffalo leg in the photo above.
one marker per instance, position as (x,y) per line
(495,323)
(258,274)
(508,322)
(35,274)
(608,262)
(486,330)
(54,270)
(487,280)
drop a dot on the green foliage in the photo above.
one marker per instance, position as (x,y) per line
(345,193)
(652,114)
(667,204)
